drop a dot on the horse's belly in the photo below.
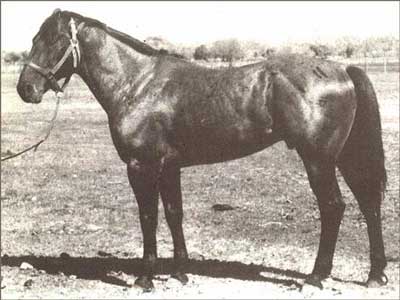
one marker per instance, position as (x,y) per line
(224,145)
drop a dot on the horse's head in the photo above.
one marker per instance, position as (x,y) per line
(54,55)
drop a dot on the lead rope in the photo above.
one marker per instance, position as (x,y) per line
(49,129)
(76,58)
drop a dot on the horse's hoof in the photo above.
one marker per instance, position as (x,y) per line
(182,277)
(145,283)
(314,280)
(375,281)
(310,291)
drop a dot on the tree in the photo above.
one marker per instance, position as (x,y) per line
(11,57)
(321,51)
(347,46)
(269,52)
(24,56)
(228,50)
(349,51)
(386,44)
(367,47)
(185,51)
(201,53)
(252,49)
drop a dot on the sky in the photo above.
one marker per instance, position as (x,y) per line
(194,23)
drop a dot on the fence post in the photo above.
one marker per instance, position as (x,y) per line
(365,63)
(384,64)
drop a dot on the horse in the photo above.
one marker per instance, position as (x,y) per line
(166,113)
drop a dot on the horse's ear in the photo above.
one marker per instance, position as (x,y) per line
(57,12)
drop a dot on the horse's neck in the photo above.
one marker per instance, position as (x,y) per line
(110,68)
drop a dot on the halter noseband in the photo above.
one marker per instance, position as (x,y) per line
(73,48)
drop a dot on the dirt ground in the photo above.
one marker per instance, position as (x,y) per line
(68,211)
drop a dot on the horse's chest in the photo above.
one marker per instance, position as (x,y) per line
(140,134)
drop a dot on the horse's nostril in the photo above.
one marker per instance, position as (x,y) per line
(25,90)
(29,89)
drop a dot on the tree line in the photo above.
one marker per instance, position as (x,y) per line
(14,57)
(229,50)
(346,47)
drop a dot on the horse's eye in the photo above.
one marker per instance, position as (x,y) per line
(53,39)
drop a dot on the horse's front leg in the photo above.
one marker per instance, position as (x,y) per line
(171,195)
(144,181)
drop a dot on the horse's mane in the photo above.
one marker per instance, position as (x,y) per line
(122,37)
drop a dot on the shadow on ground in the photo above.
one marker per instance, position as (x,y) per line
(97,268)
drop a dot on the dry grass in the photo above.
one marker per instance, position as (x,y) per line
(73,196)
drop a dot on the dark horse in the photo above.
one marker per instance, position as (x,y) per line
(166,113)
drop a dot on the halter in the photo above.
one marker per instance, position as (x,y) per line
(49,75)
(73,48)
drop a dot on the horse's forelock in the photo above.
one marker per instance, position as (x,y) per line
(47,28)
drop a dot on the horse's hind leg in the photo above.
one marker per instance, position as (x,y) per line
(171,195)
(369,196)
(144,181)
(322,177)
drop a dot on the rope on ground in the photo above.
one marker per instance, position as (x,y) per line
(49,129)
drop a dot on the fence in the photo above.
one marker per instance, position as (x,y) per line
(369,64)
(372,64)
(11,68)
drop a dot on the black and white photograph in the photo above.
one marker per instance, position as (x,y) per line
(200,150)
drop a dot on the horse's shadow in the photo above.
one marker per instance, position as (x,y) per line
(99,268)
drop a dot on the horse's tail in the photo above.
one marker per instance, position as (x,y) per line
(362,156)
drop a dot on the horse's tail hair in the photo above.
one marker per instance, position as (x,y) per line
(363,149)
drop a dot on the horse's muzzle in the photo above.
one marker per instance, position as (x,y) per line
(29,93)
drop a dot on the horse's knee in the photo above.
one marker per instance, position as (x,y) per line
(332,212)
(173,211)
(335,206)
(143,179)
